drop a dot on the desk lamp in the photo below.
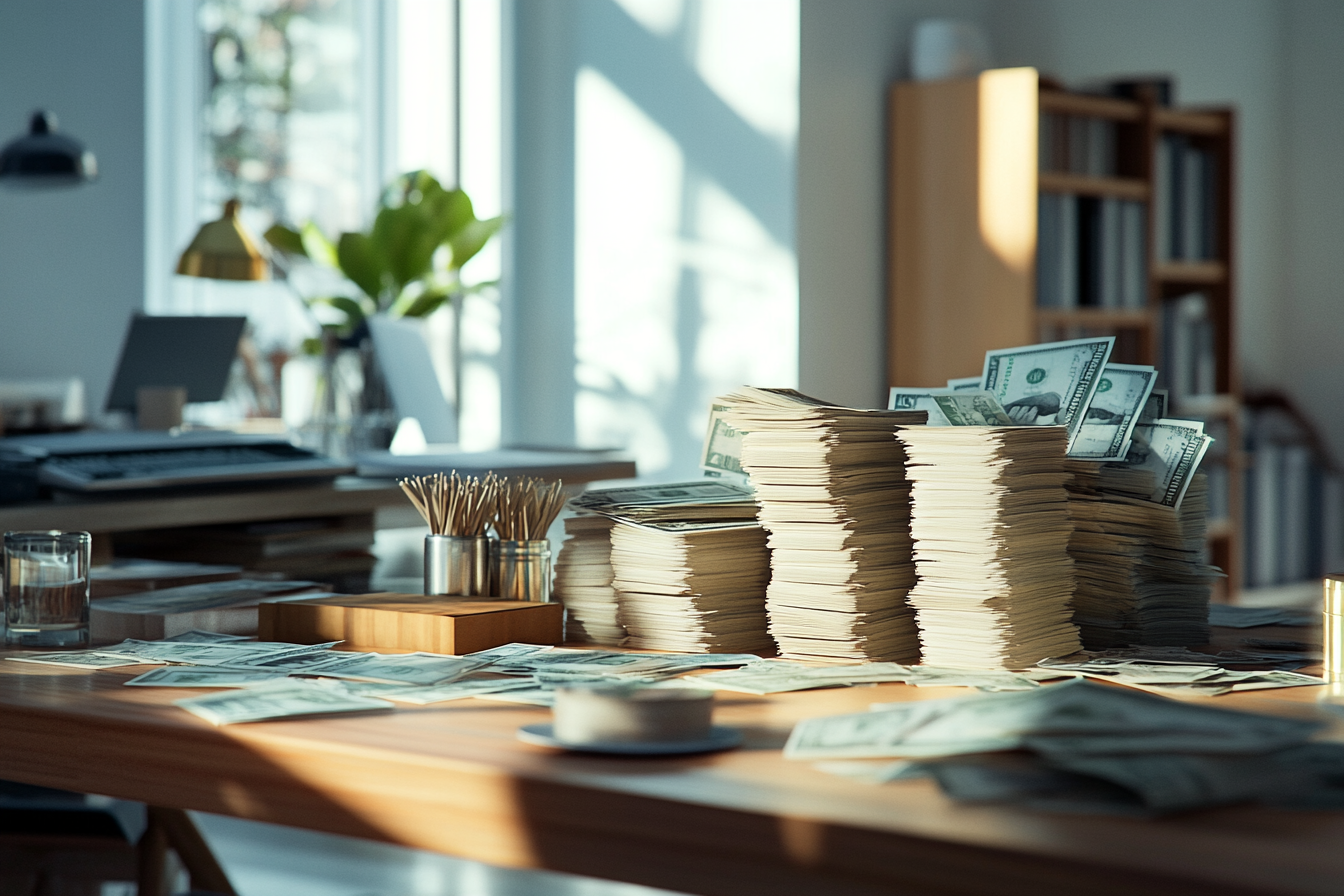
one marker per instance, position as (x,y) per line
(223,250)
(44,158)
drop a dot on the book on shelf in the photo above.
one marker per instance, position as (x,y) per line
(1186,196)
(1189,362)
(126,575)
(228,607)
(1077,144)
(1090,252)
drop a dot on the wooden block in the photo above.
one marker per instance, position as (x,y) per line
(407,622)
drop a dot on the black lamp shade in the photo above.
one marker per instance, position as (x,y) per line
(44,158)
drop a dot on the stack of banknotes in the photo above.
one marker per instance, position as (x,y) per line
(833,496)
(990,520)
(583,581)
(679,566)
(1141,574)
(691,585)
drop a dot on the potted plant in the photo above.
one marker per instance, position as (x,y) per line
(408,264)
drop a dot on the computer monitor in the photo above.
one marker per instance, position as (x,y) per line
(195,352)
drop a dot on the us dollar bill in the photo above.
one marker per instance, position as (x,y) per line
(721,456)
(950,407)
(1171,450)
(277,700)
(965,383)
(1108,425)
(707,491)
(1049,384)
(1155,408)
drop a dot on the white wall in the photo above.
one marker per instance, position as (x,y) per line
(72,261)
(1310,299)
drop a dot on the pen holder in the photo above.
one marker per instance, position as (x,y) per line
(457,564)
(1332,633)
(523,570)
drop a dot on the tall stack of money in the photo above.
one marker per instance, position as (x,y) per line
(990,521)
(833,496)
(583,581)
(688,564)
(692,586)
(1138,544)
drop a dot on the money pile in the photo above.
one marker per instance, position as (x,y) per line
(583,577)
(691,585)
(831,486)
(990,521)
(1138,543)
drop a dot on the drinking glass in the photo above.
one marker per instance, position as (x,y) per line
(46,589)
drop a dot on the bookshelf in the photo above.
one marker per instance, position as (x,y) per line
(1022,213)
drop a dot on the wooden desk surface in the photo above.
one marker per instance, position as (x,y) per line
(453,778)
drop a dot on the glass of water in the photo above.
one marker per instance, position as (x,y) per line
(46,589)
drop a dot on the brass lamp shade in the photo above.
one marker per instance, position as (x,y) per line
(222,250)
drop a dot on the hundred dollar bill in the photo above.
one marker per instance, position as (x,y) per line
(278,700)
(709,491)
(1155,408)
(721,456)
(1048,384)
(458,690)
(1076,718)
(202,677)
(965,383)
(1171,450)
(409,669)
(950,407)
(972,408)
(1122,393)
(81,659)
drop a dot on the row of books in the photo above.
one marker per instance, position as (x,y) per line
(1091,252)
(1076,144)
(1186,196)
(1189,353)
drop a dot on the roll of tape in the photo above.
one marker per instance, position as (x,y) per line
(595,714)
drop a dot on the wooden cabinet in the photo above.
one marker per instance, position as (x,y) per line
(1022,214)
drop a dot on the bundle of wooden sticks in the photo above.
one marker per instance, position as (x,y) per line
(520,509)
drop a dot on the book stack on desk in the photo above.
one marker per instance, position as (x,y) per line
(832,491)
(1141,575)
(335,550)
(583,582)
(990,520)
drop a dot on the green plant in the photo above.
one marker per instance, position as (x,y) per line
(408,263)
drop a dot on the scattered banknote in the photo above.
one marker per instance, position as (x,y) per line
(281,699)
(407,668)
(913,398)
(778,676)
(508,651)
(202,677)
(1075,718)
(195,636)
(1050,384)
(82,659)
(457,690)
(1171,450)
(1108,424)
(721,456)
(232,653)
(1230,616)
(971,407)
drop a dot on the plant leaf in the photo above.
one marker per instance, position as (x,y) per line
(471,238)
(317,247)
(425,303)
(285,239)
(361,261)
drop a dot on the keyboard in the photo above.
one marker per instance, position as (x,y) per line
(110,462)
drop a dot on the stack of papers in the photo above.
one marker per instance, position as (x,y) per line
(833,496)
(991,529)
(583,577)
(1142,579)
(691,586)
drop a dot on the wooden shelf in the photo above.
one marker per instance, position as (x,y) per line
(1121,318)
(1219,530)
(1204,273)
(1203,123)
(1062,102)
(1084,185)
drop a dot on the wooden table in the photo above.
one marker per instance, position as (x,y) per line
(453,778)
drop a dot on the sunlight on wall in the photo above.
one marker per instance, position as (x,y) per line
(681,292)
(1008,165)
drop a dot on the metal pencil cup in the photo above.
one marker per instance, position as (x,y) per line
(457,564)
(523,570)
